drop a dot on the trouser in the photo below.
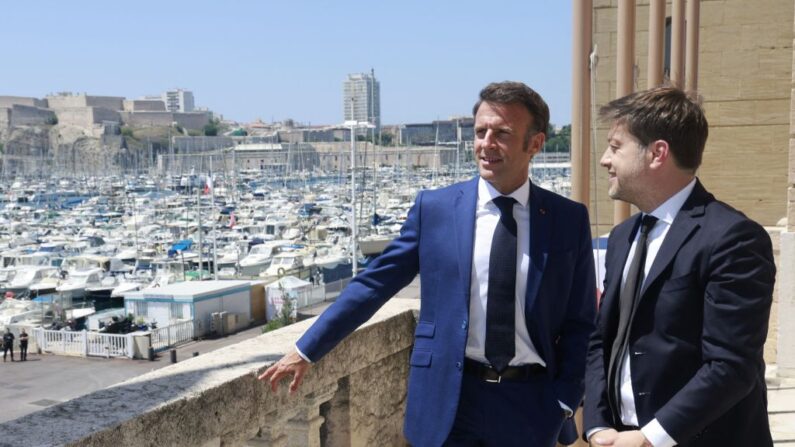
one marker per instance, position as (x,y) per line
(7,348)
(508,413)
(23,351)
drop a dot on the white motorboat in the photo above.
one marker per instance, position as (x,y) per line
(76,284)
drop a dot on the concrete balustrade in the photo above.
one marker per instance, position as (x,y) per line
(354,396)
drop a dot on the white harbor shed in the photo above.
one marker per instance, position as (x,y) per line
(192,300)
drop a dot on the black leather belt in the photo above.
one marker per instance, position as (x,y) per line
(515,373)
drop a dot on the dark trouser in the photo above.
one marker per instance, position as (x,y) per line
(509,413)
(23,351)
(7,348)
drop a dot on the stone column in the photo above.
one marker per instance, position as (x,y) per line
(785,277)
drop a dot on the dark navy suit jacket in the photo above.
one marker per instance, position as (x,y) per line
(436,241)
(697,337)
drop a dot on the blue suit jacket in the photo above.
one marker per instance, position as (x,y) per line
(437,242)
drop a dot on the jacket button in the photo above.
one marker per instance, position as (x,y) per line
(458,365)
(464,324)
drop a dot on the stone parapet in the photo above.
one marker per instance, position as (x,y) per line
(355,395)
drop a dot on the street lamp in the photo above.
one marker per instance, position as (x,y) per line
(353,124)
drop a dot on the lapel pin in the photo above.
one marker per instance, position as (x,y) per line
(542,211)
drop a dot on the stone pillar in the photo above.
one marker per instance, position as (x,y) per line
(303,430)
(336,431)
(785,277)
(786,304)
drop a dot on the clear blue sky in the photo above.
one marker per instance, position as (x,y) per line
(288,59)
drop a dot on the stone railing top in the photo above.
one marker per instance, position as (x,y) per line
(215,395)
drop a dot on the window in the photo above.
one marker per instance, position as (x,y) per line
(140,308)
(176,311)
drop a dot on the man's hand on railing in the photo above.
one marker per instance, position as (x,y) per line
(290,364)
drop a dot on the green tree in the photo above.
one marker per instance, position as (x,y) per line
(211,128)
(558,141)
(284,318)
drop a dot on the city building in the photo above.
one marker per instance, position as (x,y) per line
(178,100)
(361,99)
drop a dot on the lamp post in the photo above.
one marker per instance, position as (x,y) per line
(353,124)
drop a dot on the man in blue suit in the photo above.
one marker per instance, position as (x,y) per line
(676,358)
(507,295)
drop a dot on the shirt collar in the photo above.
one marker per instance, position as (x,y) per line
(487,193)
(668,210)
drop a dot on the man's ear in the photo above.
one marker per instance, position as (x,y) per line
(660,153)
(536,143)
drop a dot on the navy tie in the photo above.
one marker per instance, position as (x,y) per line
(501,305)
(628,299)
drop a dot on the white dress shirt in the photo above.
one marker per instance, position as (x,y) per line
(665,214)
(487,216)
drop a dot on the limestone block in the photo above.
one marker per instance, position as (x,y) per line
(605,19)
(791,208)
(720,88)
(763,11)
(711,14)
(791,164)
(729,113)
(765,86)
(720,38)
(377,396)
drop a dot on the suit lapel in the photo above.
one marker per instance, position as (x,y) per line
(622,235)
(540,236)
(465,205)
(687,220)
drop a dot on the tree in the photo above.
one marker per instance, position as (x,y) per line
(211,128)
(558,141)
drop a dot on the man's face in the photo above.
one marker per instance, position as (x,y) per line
(626,164)
(500,149)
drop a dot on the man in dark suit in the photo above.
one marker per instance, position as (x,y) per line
(507,295)
(676,358)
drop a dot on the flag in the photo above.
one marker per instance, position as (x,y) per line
(208,186)
(232,220)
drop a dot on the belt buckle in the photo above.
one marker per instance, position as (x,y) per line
(497,380)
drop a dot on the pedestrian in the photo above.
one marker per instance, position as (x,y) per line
(677,355)
(8,344)
(23,345)
(507,293)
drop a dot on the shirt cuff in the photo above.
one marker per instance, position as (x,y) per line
(656,434)
(593,431)
(566,409)
(302,355)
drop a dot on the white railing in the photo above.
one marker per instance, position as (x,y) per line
(317,295)
(84,343)
(172,335)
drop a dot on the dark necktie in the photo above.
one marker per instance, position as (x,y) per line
(501,304)
(630,294)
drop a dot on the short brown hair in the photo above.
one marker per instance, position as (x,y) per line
(663,113)
(511,92)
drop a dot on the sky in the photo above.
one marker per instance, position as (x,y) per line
(275,60)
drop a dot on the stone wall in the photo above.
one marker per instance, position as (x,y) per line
(72,101)
(745,74)
(8,101)
(192,120)
(354,396)
(85,117)
(5,117)
(22,115)
(188,120)
(144,105)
